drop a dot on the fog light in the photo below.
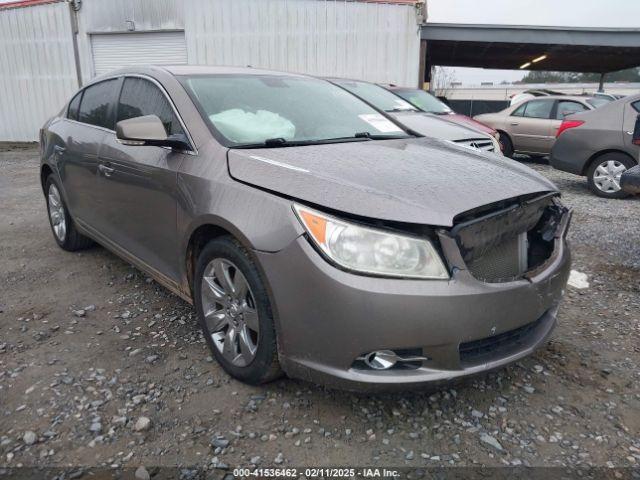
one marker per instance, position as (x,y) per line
(381,360)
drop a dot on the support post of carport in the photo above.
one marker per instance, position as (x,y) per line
(424,73)
(601,87)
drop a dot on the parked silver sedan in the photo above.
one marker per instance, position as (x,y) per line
(530,127)
(599,145)
(313,235)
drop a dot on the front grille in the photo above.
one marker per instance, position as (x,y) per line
(485,349)
(502,262)
(502,246)
(484,144)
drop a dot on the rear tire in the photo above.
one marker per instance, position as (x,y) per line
(234,312)
(507,146)
(603,175)
(63,228)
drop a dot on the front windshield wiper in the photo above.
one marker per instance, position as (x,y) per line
(397,110)
(283,142)
(374,136)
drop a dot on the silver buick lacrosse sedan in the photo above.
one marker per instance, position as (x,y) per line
(314,235)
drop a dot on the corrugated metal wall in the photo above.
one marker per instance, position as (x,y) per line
(37,69)
(374,41)
(100,16)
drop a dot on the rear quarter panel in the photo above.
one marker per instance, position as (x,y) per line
(577,147)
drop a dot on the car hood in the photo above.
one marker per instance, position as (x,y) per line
(417,180)
(437,126)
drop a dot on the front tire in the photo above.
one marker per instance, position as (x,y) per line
(603,175)
(62,226)
(507,145)
(234,312)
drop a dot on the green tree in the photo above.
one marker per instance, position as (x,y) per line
(630,75)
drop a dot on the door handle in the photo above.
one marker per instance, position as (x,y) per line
(629,133)
(515,124)
(106,171)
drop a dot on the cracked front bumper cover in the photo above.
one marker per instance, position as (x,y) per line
(327,318)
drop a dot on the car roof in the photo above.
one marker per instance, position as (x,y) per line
(577,98)
(179,70)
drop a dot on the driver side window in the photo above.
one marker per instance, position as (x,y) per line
(140,97)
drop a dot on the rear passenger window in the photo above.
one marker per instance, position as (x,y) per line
(566,108)
(141,97)
(96,102)
(636,106)
(72,113)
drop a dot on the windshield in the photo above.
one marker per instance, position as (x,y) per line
(273,110)
(375,95)
(598,102)
(424,101)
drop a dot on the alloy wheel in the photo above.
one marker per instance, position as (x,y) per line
(56,213)
(606,176)
(230,313)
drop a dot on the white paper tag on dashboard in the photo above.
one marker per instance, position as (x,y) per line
(380,123)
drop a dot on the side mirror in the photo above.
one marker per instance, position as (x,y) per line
(630,180)
(148,130)
(636,132)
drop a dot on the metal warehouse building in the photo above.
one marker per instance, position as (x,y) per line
(48,48)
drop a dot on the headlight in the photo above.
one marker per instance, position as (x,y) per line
(368,250)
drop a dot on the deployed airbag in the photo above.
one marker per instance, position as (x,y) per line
(247,127)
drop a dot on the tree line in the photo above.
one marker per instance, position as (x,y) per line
(630,75)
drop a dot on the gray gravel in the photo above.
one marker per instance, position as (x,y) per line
(130,382)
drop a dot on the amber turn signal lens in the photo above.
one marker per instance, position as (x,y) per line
(317,226)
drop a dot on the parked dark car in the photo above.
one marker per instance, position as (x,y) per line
(599,145)
(630,180)
(425,102)
(312,234)
(428,124)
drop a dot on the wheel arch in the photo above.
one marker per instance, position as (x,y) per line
(45,171)
(599,154)
(208,229)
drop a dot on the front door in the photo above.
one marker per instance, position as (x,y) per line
(530,126)
(140,183)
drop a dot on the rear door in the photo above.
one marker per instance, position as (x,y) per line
(140,182)
(89,119)
(530,126)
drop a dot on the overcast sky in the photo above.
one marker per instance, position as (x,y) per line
(568,13)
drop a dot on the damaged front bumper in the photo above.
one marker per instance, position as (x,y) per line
(329,320)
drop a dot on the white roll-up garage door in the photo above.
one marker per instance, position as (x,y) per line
(116,50)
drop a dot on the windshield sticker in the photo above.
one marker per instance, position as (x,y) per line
(380,123)
(401,104)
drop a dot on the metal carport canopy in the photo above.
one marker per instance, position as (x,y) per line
(508,47)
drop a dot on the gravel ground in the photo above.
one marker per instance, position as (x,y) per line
(100,366)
